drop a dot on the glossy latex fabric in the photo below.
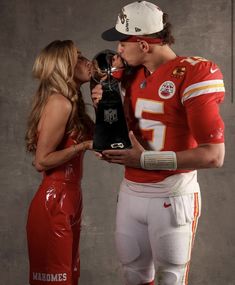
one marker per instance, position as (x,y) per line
(54,222)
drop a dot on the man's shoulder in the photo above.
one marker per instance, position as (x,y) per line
(195,62)
(200,68)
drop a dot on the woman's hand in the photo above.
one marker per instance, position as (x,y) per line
(96,94)
(85,145)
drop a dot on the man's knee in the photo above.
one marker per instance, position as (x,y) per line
(173,256)
(135,276)
(169,277)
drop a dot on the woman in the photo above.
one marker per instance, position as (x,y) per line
(58,133)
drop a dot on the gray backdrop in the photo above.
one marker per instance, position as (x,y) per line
(201,28)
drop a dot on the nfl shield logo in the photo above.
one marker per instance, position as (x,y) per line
(167,90)
(110,115)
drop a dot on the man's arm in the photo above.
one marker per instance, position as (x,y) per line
(203,156)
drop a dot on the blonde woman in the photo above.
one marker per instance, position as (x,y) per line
(58,134)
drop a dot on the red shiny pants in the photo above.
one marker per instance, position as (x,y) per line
(53,233)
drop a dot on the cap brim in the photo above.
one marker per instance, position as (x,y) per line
(113,35)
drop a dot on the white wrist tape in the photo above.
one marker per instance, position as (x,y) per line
(158,160)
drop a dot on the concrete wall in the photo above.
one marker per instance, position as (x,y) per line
(201,28)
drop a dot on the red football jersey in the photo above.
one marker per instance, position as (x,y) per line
(174,109)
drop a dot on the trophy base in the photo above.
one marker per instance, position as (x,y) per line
(110,129)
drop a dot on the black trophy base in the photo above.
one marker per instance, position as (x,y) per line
(110,129)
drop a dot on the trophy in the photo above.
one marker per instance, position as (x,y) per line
(111,130)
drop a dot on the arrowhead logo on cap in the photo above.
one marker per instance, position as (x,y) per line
(122,16)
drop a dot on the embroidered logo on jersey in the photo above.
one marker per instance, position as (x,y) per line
(213,70)
(217,133)
(167,90)
(179,72)
(110,116)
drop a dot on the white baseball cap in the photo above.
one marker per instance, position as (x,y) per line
(136,19)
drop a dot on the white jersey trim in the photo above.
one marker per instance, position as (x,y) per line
(201,88)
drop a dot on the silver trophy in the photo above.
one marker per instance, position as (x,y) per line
(111,130)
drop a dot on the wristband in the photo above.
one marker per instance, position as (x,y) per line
(158,160)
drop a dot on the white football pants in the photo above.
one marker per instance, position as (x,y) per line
(155,236)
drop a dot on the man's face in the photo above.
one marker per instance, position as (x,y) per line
(131,53)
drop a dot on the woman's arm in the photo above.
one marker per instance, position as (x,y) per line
(51,131)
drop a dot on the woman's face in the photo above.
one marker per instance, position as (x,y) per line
(82,71)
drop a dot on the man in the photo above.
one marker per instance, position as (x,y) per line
(171,105)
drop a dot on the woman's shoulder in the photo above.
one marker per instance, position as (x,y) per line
(59,102)
(58,98)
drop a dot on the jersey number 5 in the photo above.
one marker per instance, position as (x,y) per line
(158,128)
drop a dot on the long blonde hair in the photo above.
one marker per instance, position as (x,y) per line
(54,67)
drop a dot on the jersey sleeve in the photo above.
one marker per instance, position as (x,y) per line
(202,92)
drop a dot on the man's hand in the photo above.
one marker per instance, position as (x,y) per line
(127,157)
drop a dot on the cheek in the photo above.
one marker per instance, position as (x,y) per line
(131,56)
(82,74)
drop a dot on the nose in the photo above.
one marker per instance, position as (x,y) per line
(119,48)
(88,63)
